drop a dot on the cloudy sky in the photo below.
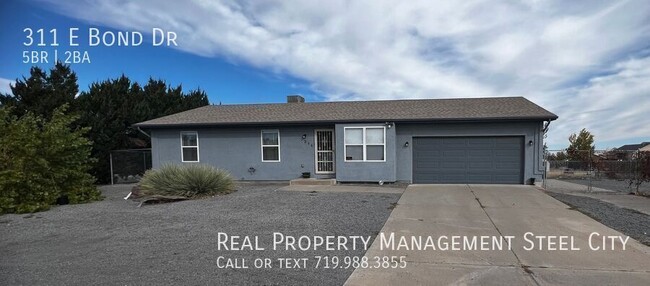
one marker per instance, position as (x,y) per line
(587,61)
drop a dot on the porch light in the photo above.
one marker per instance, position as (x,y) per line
(530,142)
(406,144)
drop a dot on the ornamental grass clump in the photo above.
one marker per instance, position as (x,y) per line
(189,181)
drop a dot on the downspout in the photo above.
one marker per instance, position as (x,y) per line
(142,131)
(545,129)
(540,139)
(543,136)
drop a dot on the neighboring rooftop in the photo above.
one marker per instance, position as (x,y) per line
(633,147)
(461,109)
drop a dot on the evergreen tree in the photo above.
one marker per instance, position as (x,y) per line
(561,156)
(111,107)
(581,146)
(42,93)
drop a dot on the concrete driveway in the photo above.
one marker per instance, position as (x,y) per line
(532,218)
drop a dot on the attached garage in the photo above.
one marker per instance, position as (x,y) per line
(477,160)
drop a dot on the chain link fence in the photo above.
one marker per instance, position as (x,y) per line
(128,166)
(595,171)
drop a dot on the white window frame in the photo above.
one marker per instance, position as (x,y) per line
(198,154)
(363,144)
(262,145)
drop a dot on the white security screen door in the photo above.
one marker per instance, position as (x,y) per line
(324,151)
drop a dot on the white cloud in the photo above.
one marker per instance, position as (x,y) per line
(548,51)
(5,87)
(613,107)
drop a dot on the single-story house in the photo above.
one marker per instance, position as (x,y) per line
(633,147)
(628,152)
(469,140)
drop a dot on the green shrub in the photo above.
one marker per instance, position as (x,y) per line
(186,180)
(42,160)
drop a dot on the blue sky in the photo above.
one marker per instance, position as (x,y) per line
(587,61)
(223,79)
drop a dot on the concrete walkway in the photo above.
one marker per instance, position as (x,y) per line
(568,187)
(633,202)
(496,211)
(620,199)
(344,189)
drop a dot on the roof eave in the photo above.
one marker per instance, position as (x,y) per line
(314,122)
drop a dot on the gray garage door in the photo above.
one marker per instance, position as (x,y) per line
(458,160)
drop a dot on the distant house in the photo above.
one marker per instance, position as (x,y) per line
(626,152)
(479,140)
(633,147)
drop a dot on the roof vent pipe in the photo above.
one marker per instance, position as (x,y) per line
(295,98)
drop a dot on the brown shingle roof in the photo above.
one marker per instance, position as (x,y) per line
(498,108)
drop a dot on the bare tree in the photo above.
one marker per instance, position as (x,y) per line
(640,170)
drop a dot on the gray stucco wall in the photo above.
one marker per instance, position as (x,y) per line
(238,149)
(365,171)
(533,164)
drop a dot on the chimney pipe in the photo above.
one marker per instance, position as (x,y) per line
(295,98)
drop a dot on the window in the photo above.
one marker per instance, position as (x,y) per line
(270,146)
(189,146)
(365,144)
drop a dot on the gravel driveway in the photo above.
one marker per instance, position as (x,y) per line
(116,242)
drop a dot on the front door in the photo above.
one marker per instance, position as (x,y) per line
(324,151)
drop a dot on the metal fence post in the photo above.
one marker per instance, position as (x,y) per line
(544,171)
(589,171)
(110,156)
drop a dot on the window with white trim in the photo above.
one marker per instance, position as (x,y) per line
(270,146)
(365,144)
(189,146)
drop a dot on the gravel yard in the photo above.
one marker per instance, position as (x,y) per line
(629,222)
(613,185)
(116,242)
